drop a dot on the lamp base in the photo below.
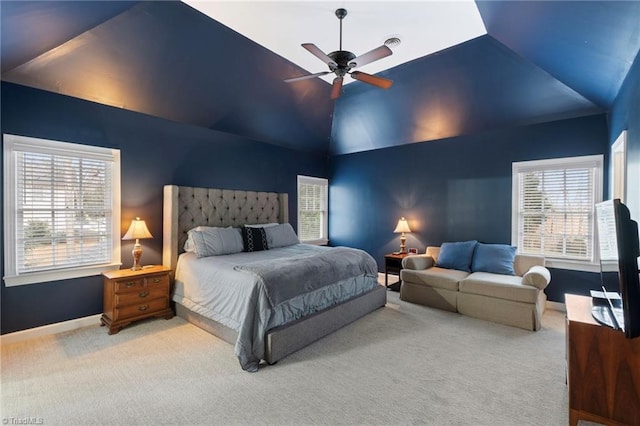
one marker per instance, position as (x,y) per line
(403,243)
(137,253)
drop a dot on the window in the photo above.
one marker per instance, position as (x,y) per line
(312,210)
(61,210)
(553,209)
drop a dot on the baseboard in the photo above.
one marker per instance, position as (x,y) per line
(49,329)
(556,306)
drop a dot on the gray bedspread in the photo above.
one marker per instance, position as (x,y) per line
(218,288)
(287,278)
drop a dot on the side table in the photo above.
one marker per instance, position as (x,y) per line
(393,265)
(134,295)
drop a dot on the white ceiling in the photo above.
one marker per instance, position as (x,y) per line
(424,27)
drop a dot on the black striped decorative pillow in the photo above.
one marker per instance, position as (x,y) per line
(254,239)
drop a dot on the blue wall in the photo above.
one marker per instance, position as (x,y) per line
(451,190)
(625,114)
(154,152)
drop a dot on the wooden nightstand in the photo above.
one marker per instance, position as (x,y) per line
(134,295)
(393,265)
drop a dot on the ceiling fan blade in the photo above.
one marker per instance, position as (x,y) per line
(380,82)
(337,88)
(372,55)
(315,50)
(306,77)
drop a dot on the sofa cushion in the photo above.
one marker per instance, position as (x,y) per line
(500,286)
(456,255)
(523,262)
(494,258)
(435,277)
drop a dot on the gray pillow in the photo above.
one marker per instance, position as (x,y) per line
(281,236)
(211,241)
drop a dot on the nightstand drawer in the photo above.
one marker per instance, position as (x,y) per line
(141,295)
(143,308)
(158,280)
(141,283)
(129,285)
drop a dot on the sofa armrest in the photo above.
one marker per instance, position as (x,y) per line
(418,261)
(538,277)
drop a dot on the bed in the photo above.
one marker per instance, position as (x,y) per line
(266,323)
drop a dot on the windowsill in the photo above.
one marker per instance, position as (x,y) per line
(610,266)
(316,242)
(57,275)
(572,265)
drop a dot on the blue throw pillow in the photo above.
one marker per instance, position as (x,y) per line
(495,258)
(456,255)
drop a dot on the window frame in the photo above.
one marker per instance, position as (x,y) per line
(618,168)
(14,143)
(309,180)
(595,162)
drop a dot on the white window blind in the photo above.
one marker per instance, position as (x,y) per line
(312,209)
(554,202)
(61,200)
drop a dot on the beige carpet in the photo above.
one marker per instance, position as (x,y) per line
(403,364)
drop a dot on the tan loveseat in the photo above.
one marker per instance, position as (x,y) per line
(516,300)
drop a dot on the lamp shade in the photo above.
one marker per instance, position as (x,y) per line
(402,226)
(137,230)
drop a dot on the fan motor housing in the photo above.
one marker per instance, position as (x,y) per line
(342,57)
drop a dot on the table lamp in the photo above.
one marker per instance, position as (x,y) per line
(402,227)
(137,230)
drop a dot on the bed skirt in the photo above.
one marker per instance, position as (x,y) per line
(286,339)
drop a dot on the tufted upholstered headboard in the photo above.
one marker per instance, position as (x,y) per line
(186,207)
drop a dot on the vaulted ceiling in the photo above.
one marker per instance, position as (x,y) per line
(539,61)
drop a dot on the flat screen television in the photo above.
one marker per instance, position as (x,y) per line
(618,242)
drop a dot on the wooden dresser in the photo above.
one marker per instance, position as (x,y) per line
(134,295)
(603,369)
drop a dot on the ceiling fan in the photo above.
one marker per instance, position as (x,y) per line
(341,62)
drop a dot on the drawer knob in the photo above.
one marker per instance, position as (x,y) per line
(156,280)
(143,308)
(130,284)
(143,294)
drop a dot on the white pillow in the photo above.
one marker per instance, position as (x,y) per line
(262,225)
(189,246)
(281,235)
(211,241)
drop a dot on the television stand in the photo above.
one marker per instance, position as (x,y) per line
(603,369)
